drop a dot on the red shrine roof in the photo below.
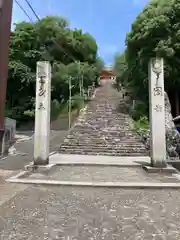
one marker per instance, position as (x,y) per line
(107,73)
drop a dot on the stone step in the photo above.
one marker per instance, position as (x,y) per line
(103,125)
(119,150)
(104,129)
(107,146)
(101,144)
(101,131)
(99,115)
(116,149)
(122,138)
(119,125)
(109,116)
(97,139)
(125,154)
(83,135)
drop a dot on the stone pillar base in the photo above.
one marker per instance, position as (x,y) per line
(158,164)
(38,168)
(41,162)
(168,169)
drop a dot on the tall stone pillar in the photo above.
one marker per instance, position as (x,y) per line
(42,114)
(157,113)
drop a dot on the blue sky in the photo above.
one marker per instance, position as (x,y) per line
(107,21)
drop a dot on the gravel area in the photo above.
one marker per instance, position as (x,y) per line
(80,213)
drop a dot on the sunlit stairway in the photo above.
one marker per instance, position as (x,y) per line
(104,129)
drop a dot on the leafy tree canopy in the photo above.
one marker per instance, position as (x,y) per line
(155,32)
(71,52)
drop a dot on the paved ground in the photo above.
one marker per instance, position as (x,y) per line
(79,173)
(54,212)
(86,213)
(35,212)
(25,151)
(11,165)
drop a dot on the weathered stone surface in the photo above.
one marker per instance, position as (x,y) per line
(102,174)
(85,213)
(157,112)
(103,129)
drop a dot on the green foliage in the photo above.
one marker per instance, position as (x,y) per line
(71,52)
(139,110)
(76,102)
(56,108)
(154,33)
(120,68)
(141,126)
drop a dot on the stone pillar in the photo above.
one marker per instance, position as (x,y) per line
(157,113)
(42,114)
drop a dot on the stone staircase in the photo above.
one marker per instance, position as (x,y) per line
(103,128)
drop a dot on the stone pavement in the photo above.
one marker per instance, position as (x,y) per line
(85,170)
(63,212)
(39,212)
(91,213)
(24,150)
(12,165)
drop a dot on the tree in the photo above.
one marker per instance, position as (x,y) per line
(120,69)
(154,33)
(71,52)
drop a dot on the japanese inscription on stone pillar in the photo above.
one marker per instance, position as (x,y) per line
(42,116)
(157,90)
(157,115)
(41,92)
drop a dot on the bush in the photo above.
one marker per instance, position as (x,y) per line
(139,110)
(76,102)
(56,108)
(141,126)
